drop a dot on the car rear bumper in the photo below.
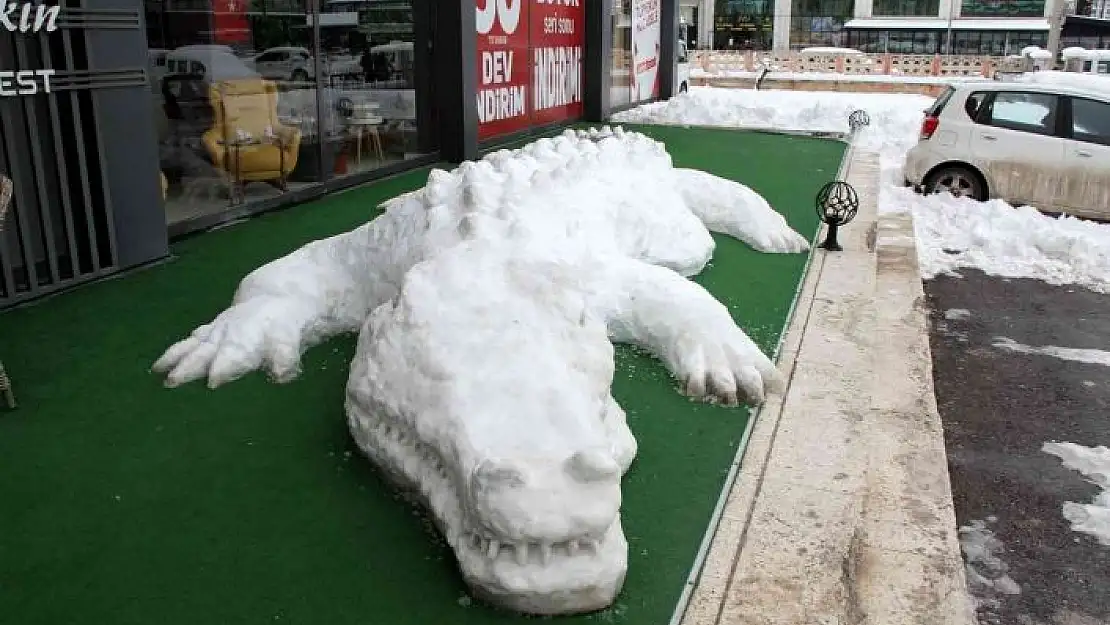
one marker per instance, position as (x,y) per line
(916,165)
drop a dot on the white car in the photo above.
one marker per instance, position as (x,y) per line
(297,64)
(285,63)
(1044,145)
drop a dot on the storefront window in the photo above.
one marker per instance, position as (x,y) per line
(620,90)
(819,22)
(369,91)
(906,8)
(232,118)
(744,25)
(236,87)
(1002,8)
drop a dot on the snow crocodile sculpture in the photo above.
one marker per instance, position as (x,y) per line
(486,305)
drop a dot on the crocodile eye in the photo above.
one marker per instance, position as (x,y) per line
(493,474)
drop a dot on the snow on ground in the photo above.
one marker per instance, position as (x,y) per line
(1088,356)
(952,233)
(957,314)
(988,577)
(895,117)
(1094,464)
(1002,240)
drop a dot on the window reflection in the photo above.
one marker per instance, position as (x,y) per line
(246,109)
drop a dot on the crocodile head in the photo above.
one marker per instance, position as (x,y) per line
(509,434)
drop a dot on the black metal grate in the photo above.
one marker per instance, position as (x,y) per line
(60,228)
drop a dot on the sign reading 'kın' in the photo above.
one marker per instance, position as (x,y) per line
(26,18)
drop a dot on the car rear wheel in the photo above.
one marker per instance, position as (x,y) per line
(957,181)
(683,88)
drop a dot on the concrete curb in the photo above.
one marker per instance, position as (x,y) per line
(785,352)
(841,511)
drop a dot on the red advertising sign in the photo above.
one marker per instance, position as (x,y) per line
(504,72)
(557,41)
(229,21)
(529,63)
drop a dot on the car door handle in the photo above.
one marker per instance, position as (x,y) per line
(1083,154)
(990,138)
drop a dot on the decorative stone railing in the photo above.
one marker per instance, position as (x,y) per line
(718,62)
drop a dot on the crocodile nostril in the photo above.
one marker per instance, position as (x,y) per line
(593,465)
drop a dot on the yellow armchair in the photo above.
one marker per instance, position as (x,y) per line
(246,139)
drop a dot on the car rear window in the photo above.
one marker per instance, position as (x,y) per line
(940,102)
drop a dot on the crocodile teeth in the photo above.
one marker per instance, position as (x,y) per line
(494,547)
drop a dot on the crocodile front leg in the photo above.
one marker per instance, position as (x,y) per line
(734,209)
(686,327)
(281,309)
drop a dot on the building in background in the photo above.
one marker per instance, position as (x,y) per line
(1098,9)
(1087,25)
(977,27)
(696,23)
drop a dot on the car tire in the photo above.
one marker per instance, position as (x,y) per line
(958,181)
(299,75)
(683,88)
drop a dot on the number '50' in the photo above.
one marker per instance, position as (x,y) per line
(505,11)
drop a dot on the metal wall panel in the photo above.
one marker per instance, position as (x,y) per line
(83,158)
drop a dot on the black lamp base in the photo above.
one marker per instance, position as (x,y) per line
(831,244)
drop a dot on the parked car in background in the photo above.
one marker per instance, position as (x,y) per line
(1044,145)
(296,64)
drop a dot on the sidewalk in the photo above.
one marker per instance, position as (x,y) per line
(842,510)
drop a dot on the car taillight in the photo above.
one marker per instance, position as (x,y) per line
(929,126)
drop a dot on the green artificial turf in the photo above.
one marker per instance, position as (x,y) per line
(124,503)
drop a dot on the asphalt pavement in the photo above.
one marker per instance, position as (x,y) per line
(999,407)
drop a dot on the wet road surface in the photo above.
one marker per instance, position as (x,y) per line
(999,407)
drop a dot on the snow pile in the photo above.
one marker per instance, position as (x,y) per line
(1094,464)
(1036,52)
(895,117)
(988,577)
(1003,240)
